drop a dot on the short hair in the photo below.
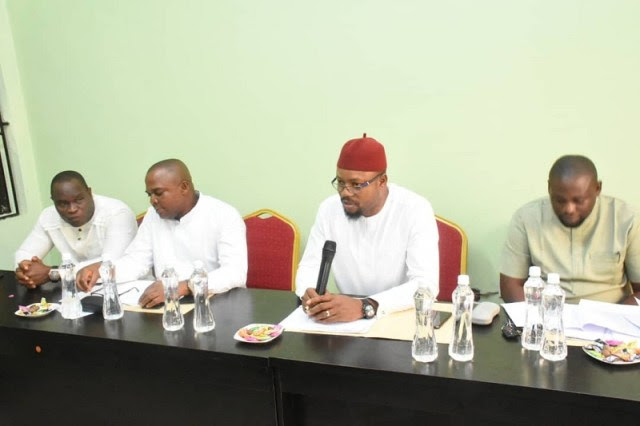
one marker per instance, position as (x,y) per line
(569,166)
(176,166)
(67,176)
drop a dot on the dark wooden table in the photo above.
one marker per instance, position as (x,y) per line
(132,370)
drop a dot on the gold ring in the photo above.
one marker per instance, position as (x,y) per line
(327,312)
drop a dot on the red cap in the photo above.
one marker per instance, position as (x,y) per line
(363,154)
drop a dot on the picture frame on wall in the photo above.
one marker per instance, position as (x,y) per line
(8,199)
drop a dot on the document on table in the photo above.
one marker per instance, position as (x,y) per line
(128,292)
(590,320)
(299,321)
(396,326)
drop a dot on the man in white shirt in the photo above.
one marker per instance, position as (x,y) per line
(181,226)
(85,225)
(386,241)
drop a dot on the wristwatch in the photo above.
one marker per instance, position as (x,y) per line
(54,275)
(368,311)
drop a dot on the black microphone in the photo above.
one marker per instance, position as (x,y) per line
(328,251)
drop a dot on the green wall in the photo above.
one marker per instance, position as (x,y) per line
(473,100)
(14,229)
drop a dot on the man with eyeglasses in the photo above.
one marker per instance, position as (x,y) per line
(386,241)
(84,225)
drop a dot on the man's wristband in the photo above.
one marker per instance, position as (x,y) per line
(368,309)
(54,275)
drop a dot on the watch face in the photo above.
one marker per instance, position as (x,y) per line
(54,275)
(368,311)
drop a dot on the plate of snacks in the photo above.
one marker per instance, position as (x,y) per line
(36,310)
(614,352)
(258,333)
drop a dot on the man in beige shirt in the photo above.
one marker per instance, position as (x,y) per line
(591,240)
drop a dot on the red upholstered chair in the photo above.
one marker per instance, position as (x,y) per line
(273,245)
(453,256)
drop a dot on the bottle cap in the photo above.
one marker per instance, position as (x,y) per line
(198,264)
(553,278)
(66,258)
(463,279)
(534,271)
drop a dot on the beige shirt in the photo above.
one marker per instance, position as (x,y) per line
(595,260)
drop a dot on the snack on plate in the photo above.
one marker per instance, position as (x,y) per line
(614,351)
(35,309)
(260,332)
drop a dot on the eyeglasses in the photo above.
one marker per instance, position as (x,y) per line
(100,292)
(355,188)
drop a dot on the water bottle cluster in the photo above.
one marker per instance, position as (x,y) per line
(425,347)
(172,318)
(543,328)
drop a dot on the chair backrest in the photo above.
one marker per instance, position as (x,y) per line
(452,246)
(273,246)
(140,217)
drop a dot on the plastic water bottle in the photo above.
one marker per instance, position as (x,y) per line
(202,317)
(71,307)
(554,343)
(172,318)
(532,330)
(424,347)
(461,347)
(111,307)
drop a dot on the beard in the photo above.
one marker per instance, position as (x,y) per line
(572,225)
(353,216)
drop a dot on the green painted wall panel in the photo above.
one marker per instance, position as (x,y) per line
(473,100)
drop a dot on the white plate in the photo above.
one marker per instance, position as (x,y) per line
(276,331)
(51,307)
(594,350)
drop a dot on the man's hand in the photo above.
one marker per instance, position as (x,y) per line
(87,277)
(512,289)
(32,273)
(631,299)
(154,294)
(330,308)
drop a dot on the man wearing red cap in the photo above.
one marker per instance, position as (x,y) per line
(386,241)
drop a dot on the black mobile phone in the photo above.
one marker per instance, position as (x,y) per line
(439,317)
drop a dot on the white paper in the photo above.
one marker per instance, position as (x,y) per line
(590,320)
(299,321)
(516,312)
(623,319)
(58,308)
(130,292)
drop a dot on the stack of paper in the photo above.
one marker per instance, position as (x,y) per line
(591,320)
(298,320)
